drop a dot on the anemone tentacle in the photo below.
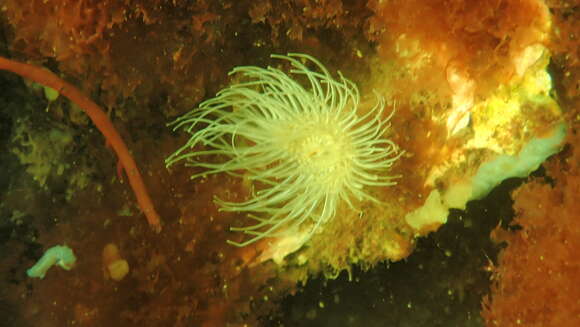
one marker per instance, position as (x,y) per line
(307,150)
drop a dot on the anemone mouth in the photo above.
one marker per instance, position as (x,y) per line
(308,147)
(319,150)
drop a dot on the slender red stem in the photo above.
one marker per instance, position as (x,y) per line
(101,121)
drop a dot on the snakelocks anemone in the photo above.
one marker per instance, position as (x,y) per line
(306,150)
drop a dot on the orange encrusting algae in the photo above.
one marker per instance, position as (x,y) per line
(101,121)
(537,281)
(480,40)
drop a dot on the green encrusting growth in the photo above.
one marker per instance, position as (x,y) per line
(60,255)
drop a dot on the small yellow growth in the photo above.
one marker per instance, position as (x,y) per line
(114,266)
(506,120)
(50,93)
